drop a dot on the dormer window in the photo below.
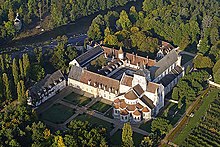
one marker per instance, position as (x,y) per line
(44,90)
(89,82)
(60,79)
(55,83)
(49,86)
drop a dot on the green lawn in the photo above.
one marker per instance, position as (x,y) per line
(95,121)
(101,107)
(58,114)
(109,113)
(193,122)
(77,99)
(115,140)
(146,126)
(185,59)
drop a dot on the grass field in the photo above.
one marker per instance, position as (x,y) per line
(57,114)
(194,121)
(77,99)
(115,140)
(101,107)
(109,113)
(95,121)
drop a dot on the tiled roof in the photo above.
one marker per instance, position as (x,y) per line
(124,112)
(116,100)
(139,106)
(147,101)
(131,95)
(137,113)
(138,89)
(130,107)
(116,106)
(97,79)
(152,87)
(145,109)
(123,104)
(82,59)
(134,59)
(127,80)
(163,64)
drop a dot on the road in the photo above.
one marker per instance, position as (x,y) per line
(72,40)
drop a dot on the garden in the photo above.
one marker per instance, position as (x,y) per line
(77,99)
(57,114)
(100,107)
(96,122)
(202,129)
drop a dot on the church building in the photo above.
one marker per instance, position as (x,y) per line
(136,85)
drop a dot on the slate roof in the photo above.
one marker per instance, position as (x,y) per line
(163,64)
(85,57)
(147,101)
(166,80)
(75,73)
(138,89)
(48,81)
(131,95)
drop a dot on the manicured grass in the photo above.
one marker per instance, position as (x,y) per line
(58,114)
(116,140)
(185,59)
(146,126)
(101,107)
(77,99)
(193,122)
(109,113)
(95,121)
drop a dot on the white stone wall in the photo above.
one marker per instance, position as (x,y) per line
(123,88)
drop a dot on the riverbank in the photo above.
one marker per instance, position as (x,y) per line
(80,26)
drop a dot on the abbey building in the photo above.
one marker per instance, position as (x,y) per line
(136,85)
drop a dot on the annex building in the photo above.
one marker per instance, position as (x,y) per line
(136,85)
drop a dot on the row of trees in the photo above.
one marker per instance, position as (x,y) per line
(206,133)
(60,12)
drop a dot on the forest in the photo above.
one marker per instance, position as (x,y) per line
(192,25)
(59,12)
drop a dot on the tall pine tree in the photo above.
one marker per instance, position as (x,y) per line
(26,64)
(7,90)
(21,68)
(15,71)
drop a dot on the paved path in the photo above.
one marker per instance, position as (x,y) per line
(84,109)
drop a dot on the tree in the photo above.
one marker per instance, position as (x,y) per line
(214,35)
(19,93)
(15,71)
(146,142)
(58,141)
(160,125)
(175,94)
(23,90)
(127,140)
(217,76)
(7,89)
(203,46)
(21,68)
(124,21)
(216,67)
(94,32)
(202,62)
(26,64)
(2,63)
(37,72)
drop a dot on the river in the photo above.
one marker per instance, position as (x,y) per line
(80,26)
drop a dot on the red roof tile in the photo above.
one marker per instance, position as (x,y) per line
(131,95)
(137,113)
(124,112)
(127,80)
(145,109)
(152,87)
